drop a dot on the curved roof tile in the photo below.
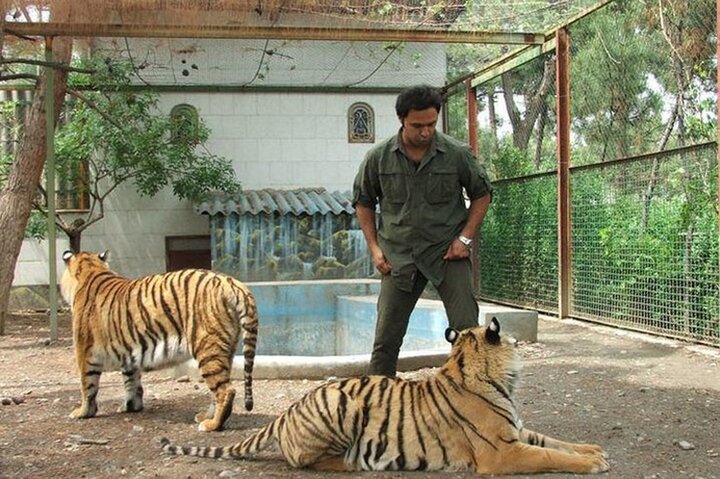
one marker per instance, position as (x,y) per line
(299,201)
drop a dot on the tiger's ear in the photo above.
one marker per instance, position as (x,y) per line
(451,335)
(104,256)
(492,332)
(67,255)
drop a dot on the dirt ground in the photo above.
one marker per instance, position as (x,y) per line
(653,404)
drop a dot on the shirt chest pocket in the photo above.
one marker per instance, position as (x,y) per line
(394,186)
(442,186)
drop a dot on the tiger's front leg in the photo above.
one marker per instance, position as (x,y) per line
(537,439)
(520,458)
(133,391)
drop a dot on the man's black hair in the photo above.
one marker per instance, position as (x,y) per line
(420,97)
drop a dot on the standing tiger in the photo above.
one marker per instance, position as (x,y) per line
(136,325)
(462,418)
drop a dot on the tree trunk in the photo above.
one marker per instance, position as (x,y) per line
(74,237)
(650,190)
(492,117)
(25,175)
(523,125)
(542,120)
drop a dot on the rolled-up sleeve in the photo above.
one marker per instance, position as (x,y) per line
(365,186)
(474,177)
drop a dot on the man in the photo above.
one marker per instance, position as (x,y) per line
(425,231)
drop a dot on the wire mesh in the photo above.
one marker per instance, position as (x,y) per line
(644,205)
(517,247)
(216,63)
(507,15)
(642,78)
(645,244)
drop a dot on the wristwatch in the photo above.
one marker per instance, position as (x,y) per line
(466,241)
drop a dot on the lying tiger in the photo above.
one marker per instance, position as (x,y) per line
(136,325)
(463,418)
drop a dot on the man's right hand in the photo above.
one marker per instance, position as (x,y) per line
(381,263)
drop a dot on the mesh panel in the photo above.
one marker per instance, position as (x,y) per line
(517,247)
(645,206)
(278,63)
(507,15)
(627,99)
(645,244)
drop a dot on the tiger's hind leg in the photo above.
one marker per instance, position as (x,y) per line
(215,370)
(536,439)
(133,391)
(89,384)
(332,463)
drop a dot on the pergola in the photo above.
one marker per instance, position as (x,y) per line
(354,21)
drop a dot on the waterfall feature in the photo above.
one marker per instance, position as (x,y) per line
(277,247)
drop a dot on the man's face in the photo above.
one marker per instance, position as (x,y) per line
(419,127)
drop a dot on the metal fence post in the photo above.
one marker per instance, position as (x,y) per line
(563,158)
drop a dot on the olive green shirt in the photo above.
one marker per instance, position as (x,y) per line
(422,206)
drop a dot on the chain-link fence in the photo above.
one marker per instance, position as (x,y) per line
(644,201)
(645,243)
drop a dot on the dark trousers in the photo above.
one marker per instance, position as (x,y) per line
(395,306)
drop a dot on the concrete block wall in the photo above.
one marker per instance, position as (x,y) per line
(288,140)
(274,139)
(32,263)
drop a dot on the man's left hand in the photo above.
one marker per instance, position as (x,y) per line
(457,250)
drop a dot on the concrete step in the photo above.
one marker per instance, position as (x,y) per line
(521,324)
(429,318)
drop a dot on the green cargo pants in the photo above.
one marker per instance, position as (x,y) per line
(396,304)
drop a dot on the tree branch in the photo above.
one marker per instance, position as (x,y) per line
(94,106)
(42,63)
(19,76)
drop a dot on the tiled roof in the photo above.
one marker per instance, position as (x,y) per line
(297,202)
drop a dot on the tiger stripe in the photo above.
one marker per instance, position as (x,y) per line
(135,325)
(462,418)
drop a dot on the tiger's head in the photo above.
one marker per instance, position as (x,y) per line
(77,268)
(482,353)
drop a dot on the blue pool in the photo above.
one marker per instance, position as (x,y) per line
(333,317)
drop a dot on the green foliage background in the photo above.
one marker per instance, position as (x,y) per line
(644,233)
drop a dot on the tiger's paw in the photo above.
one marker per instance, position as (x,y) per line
(83,412)
(209,425)
(590,449)
(130,408)
(202,417)
(599,464)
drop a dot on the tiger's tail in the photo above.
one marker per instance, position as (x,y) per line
(246,311)
(241,450)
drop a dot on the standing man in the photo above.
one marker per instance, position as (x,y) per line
(425,231)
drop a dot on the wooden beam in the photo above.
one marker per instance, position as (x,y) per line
(280,33)
(563,158)
(549,36)
(472,118)
(512,60)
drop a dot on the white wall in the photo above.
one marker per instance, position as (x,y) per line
(32,263)
(288,140)
(274,139)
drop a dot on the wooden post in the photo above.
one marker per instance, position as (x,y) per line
(717,116)
(563,158)
(50,187)
(472,114)
(472,120)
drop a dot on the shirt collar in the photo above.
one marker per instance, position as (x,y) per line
(438,143)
